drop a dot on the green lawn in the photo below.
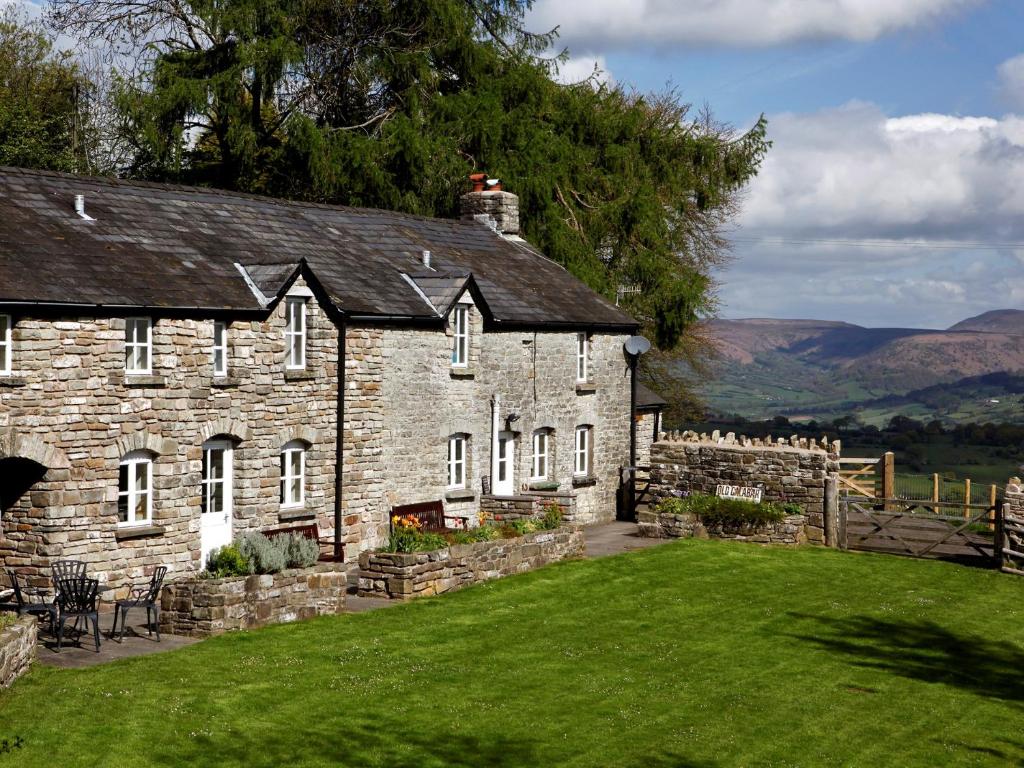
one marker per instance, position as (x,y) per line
(689,654)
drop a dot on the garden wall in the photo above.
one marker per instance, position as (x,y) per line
(505,509)
(17,649)
(794,471)
(403,576)
(791,530)
(1013,527)
(202,607)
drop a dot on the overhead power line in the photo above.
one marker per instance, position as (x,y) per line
(945,245)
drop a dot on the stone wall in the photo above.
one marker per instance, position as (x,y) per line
(647,428)
(202,607)
(1013,527)
(406,575)
(17,649)
(788,471)
(791,530)
(534,374)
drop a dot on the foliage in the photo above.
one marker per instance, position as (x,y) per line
(300,551)
(552,517)
(522,526)
(7,620)
(473,535)
(392,104)
(407,535)
(227,561)
(264,555)
(703,654)
(713,510)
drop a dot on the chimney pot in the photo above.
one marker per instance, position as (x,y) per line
(80,208)
(489,201)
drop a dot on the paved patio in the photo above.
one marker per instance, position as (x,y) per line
(615,538)
(73,656)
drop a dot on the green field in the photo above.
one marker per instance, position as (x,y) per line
(694,653)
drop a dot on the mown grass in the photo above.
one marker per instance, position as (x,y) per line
(689,654)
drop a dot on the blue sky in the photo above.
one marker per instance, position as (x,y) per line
(894,194)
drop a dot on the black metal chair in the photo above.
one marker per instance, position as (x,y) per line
(66,569)
(147,597)
(76,599)
(29,601)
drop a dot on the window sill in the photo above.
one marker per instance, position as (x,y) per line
(299,375)
(295,513)
(463,373)
(582,481)
(143,380)
(460,494)
(543,485)
(138,532)
(225,382)
(585,388)
(12,382)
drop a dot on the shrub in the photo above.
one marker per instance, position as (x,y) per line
(227,561)
(300,551)
(7,620)
(264,555)
(552,517)
(523,526)
(407,535)
(715,511)
(672,506)
(792,508)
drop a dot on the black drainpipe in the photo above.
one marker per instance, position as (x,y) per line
(339,441)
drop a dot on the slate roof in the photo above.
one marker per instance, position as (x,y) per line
(648,400)
(162,247)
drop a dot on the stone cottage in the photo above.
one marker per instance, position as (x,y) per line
(180,365)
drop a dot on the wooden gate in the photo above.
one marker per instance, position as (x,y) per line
(944,531)
(870,478)
(1011,540)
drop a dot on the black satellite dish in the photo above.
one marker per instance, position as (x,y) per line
(636,345)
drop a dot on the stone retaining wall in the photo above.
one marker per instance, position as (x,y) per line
(794,471)
(202,607)
(403,576)
(791,530)
(1013,527)
(17,649)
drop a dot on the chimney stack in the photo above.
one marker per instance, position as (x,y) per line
(489,200)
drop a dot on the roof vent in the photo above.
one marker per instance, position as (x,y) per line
(426,259)
(80,208)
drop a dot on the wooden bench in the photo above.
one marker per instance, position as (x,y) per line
(430,514)
(310,531)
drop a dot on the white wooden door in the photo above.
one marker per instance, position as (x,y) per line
(504,482)
(215,529)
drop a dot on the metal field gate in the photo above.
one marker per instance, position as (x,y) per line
(966,533)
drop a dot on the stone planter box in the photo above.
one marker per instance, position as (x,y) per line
(791,530)
(402,576)
(203,607)
(17,649)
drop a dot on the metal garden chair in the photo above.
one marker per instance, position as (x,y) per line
(148,597)
(76,599)
(29,601)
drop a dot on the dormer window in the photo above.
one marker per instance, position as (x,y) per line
(6,343)
(582,353)
(460,342)
(138,345)
(295,332)
(220,348)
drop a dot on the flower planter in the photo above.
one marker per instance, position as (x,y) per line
(790,530)
(203,607)
(402,576)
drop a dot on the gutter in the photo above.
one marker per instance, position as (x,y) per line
(339,440)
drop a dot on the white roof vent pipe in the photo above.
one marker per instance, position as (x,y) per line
(80,208)
(426,259)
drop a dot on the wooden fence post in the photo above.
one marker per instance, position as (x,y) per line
(992,497)
(967,498)
(935,488)
(889,476)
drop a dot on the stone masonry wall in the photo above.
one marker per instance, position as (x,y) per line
(69,394)
(1013,527)
(203,607)
(792,471)
(403,576)
(535,376)
(791,530)
(17,649)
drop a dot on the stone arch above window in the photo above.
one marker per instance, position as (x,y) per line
(143,441)
(304,434)
(231,428)
(18,445)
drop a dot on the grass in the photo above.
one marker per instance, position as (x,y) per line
(689,654)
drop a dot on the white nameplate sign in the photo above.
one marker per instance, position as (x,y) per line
(744,492)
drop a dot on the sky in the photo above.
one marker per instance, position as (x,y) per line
(893,194)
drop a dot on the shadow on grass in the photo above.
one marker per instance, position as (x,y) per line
(331,741)
(925,651)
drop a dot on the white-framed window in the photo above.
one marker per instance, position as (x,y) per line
(135,489)
(460,342)
(541,446)
(6,344)
(457,461)
(582,352)
(138,345)
(293,474)
(219,352)
(295,331)
(581,465)
(217,482)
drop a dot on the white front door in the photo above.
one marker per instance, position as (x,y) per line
(215,520)
(504,482)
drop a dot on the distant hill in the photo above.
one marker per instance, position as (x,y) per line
(817,369)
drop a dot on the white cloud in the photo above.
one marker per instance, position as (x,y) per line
(1011,80)
(825,226)
(580,68)
(600,24)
